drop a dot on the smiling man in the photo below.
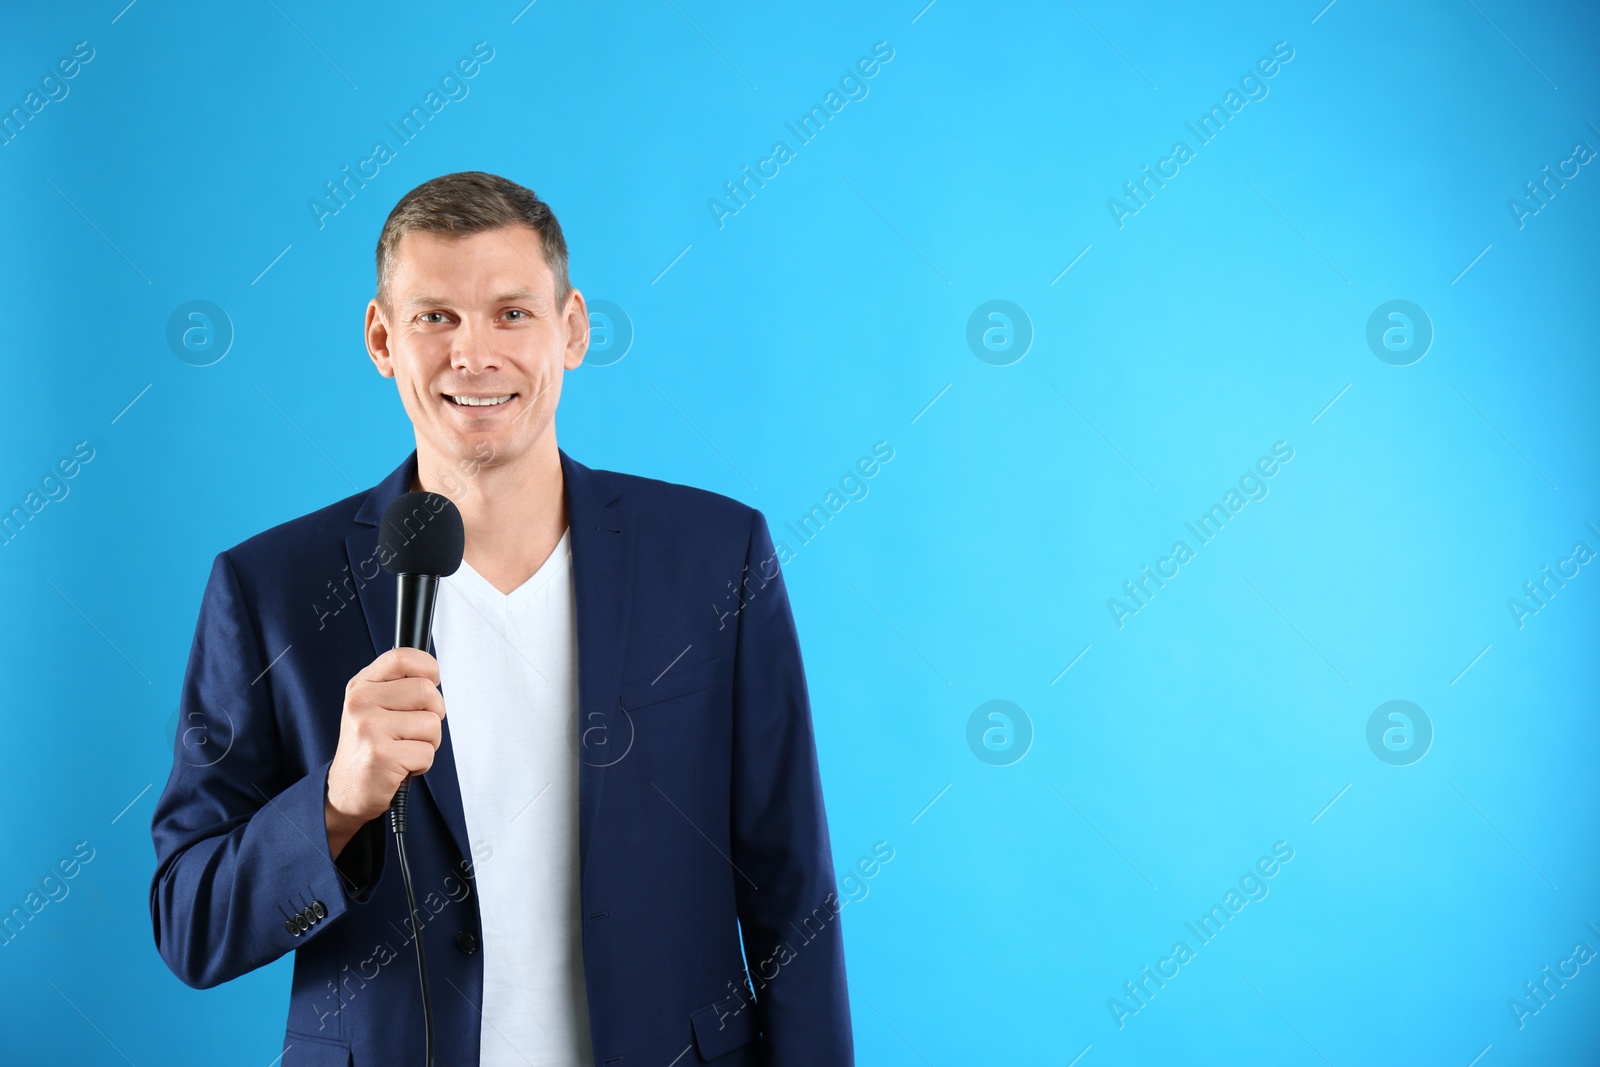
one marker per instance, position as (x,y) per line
(620,846)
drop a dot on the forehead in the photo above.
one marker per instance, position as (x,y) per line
(474,265)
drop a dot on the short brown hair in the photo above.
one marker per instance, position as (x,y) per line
(471,202)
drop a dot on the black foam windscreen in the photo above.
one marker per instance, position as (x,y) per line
(421,533)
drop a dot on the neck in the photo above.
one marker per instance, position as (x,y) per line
(514,512)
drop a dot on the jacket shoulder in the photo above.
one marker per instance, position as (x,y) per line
(673,504)
(310,535)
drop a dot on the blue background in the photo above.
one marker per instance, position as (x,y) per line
(831,312)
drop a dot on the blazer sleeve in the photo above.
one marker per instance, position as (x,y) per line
(240,836)
(788,904)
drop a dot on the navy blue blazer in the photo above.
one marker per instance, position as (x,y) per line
(701,829)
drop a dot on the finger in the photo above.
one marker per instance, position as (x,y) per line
(408,694)
(385,668)
(419,664)
(402,663)
(428,697)
(414,726)
(414,756)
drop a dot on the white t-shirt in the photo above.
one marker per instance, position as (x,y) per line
(509,671)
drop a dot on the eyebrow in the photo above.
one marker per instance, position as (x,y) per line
(500,298)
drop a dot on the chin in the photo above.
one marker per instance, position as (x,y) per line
(487,449)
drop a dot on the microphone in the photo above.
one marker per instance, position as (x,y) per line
(420,541)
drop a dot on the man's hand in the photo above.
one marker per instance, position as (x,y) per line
(392,725)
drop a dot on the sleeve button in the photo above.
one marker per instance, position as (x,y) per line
(466,942)
(291,926)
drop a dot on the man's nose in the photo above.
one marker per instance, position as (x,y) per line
(472,348)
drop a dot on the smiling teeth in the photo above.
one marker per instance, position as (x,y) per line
(480,401)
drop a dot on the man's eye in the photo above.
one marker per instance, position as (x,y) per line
(516,314)
(432,317)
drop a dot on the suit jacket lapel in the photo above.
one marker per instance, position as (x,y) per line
(602,568)
(602,573)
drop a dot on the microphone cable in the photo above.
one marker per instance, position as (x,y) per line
(397,820)
(423,538)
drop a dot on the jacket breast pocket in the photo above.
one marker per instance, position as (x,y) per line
(720,1028)
(304,1050)
(679,680)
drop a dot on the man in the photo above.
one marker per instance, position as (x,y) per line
(617,833)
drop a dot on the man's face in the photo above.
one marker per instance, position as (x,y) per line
(474,319)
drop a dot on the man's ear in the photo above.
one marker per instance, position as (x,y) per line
(577,330)
(377,332)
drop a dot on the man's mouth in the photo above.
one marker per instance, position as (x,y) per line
(465,401)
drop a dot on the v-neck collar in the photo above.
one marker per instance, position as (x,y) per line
(469,582)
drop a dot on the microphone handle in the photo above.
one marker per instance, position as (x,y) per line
(416,595)
(413,617)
